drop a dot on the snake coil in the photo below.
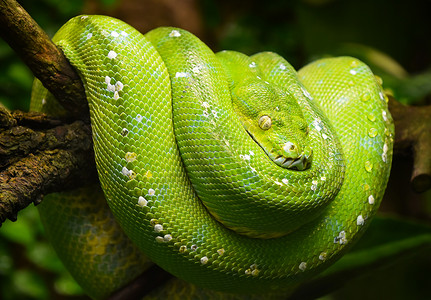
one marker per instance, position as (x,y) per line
(235,173)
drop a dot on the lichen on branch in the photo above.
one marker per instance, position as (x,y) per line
(40,155)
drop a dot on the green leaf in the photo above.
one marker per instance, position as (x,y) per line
(22,232)
(29,283)
(66,285)
(43,255)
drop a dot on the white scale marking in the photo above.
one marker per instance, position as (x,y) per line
(303,266)
(142,201)
(119,86)
(112,54)
(158,228)
(111,87)
(360,220)
(174,33)
(182,74)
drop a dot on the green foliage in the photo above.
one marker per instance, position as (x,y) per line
(16,78)
(28,264)
(392,248)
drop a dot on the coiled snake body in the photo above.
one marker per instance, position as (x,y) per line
(232,172)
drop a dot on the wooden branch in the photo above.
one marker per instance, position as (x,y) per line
(33,162)
(43,58)
(413,137)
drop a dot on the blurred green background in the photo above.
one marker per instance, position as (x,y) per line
(392,261)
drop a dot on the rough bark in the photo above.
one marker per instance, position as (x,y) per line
(40,155)
(44,59)
(413,137)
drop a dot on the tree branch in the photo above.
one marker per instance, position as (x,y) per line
(43,58)
(43,157)
(413,137)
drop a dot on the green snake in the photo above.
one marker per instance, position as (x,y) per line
(235,173)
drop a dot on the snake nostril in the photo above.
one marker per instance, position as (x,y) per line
(290,149)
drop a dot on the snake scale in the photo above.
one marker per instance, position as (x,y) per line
(235,173)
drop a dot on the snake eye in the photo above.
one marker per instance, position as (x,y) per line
(265,122)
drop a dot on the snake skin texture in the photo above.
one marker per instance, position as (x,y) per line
(193,188)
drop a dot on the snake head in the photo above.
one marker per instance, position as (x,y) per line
(273,118)
(285,141)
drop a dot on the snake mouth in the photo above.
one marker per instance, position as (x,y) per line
(300,163)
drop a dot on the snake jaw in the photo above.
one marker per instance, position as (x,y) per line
(300,163)
(292,156)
